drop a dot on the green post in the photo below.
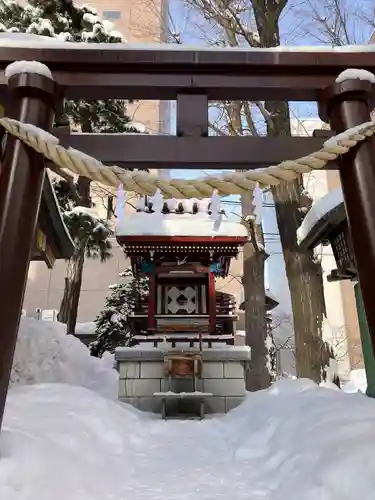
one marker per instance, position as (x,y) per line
(368,355)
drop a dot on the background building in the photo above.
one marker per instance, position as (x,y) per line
(139,21)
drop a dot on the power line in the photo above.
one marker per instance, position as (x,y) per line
(238,203)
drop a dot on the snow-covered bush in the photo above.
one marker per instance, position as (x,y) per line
(89,232)
(112,324)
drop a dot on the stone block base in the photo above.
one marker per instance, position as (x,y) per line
(141,374)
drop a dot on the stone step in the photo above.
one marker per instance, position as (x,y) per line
(182,395)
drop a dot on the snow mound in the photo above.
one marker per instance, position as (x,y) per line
(45,353)
(50,429)
(357,382)
(294,441)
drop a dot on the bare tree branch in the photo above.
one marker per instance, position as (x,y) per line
(337,22)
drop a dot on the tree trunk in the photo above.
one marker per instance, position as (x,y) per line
(305,284)
(73,280)
(75,292)
(64,306)
(258,376)
(83,188)
(304,275)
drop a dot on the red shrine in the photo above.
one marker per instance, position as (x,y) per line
(182,246)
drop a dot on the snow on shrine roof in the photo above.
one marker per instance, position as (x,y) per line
(183,225)
(319,210)
(191,217)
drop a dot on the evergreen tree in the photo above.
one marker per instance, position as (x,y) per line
(72,23)
(112,324)
(91,236)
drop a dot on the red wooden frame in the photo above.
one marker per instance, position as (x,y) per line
(212,301)
(151,301)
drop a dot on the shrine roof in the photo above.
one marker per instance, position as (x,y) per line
(51,222)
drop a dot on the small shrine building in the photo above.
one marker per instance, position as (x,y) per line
(182,250)
(182,246)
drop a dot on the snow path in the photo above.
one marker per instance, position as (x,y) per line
(295,441)
(150,459)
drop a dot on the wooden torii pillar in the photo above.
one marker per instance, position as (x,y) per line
(345,105)
(30,99)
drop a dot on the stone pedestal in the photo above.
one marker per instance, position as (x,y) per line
(142,374)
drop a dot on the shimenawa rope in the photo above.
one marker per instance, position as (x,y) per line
(146,183)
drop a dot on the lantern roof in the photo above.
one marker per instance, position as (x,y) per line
(324,216)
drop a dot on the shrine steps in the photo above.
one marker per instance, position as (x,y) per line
(200,397)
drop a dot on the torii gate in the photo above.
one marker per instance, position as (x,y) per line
(193,77)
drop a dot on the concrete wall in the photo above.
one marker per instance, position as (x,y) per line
(45,287)
(141,374)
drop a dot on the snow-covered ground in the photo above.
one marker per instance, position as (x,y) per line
(357,382)
(295,441)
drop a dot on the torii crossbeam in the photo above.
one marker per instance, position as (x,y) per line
(100,71)
(192,77)
(140,151)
